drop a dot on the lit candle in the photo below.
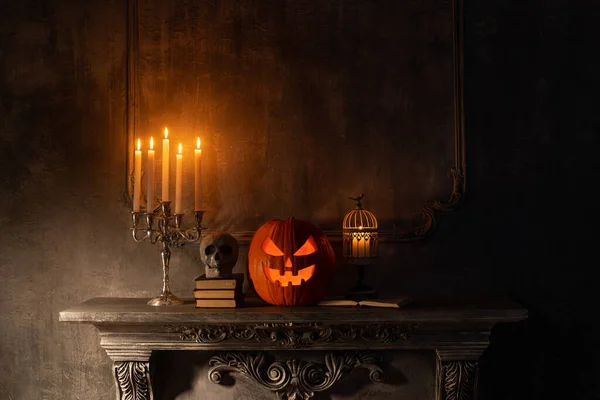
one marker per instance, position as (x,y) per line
(165,167)
(197,154)
(354,252)
(359,244)
(150,168)
(178,177)
(137,177)
(362,247)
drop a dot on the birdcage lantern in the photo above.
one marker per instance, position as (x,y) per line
(360,237)
(360,244)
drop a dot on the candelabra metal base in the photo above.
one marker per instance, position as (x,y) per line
(165,299)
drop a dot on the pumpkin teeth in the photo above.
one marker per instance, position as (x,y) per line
(287,278)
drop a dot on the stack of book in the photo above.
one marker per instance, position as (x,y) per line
(219,292)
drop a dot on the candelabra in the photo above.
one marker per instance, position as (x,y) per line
(169,234)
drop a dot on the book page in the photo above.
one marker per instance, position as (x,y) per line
(391,303)
(338,302)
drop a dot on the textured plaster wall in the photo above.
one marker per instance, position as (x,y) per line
(527,227)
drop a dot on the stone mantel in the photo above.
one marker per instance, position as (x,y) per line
(457,331)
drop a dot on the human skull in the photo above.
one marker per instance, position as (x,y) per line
(219,253)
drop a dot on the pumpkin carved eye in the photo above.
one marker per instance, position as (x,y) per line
(307,248)
(271,248)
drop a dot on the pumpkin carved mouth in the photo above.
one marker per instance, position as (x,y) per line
(287,278)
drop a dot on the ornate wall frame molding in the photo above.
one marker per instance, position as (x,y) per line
(432,210)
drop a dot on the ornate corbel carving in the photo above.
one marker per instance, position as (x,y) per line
(131,370)
(457,373)
(294,379)
(459,380)
(132,379)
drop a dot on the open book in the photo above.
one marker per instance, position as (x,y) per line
(388,303)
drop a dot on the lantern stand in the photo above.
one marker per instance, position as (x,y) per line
(361,291)
(360,247)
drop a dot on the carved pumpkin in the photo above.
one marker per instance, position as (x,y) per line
(290,263)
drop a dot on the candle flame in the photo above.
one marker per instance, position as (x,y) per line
(166,133)
(139,146)
(180,148)
(151,143)
(198,143)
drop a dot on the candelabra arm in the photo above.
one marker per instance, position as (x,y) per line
(135,231)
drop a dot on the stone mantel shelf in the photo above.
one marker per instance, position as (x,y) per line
(457,331)
(109,310)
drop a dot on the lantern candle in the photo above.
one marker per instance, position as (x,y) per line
(178,183)
(137,177)
(197,154)
(165,167)
(150,168)
(359,246)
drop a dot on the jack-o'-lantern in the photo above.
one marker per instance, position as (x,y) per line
(290,263)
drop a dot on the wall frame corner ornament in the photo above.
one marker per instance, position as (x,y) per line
(295,379)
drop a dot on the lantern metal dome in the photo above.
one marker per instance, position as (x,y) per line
(360,219)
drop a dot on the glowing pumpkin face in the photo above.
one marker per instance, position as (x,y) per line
(273,272)
(290,262)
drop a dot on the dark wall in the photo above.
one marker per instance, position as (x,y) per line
(527,227)
(533,135)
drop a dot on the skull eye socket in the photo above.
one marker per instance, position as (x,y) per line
(225,249)
(271,248)
(209,250)
(307,248)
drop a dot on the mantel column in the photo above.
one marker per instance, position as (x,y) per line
(131,370)
(457,373)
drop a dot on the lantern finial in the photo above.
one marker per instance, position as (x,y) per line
(357,199)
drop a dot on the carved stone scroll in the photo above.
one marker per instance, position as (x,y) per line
(293,336)
(132,379)
(294,379)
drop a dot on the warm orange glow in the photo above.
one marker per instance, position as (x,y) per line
(287,278)
(271,248)
(180,149)
(360,227)
(166,133)
(198,143)
(307,248)
(151,143)
(139,144)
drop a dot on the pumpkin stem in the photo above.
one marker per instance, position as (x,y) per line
(357,199)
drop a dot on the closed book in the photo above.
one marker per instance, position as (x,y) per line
(214,293)
(229,303)
(202,282)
